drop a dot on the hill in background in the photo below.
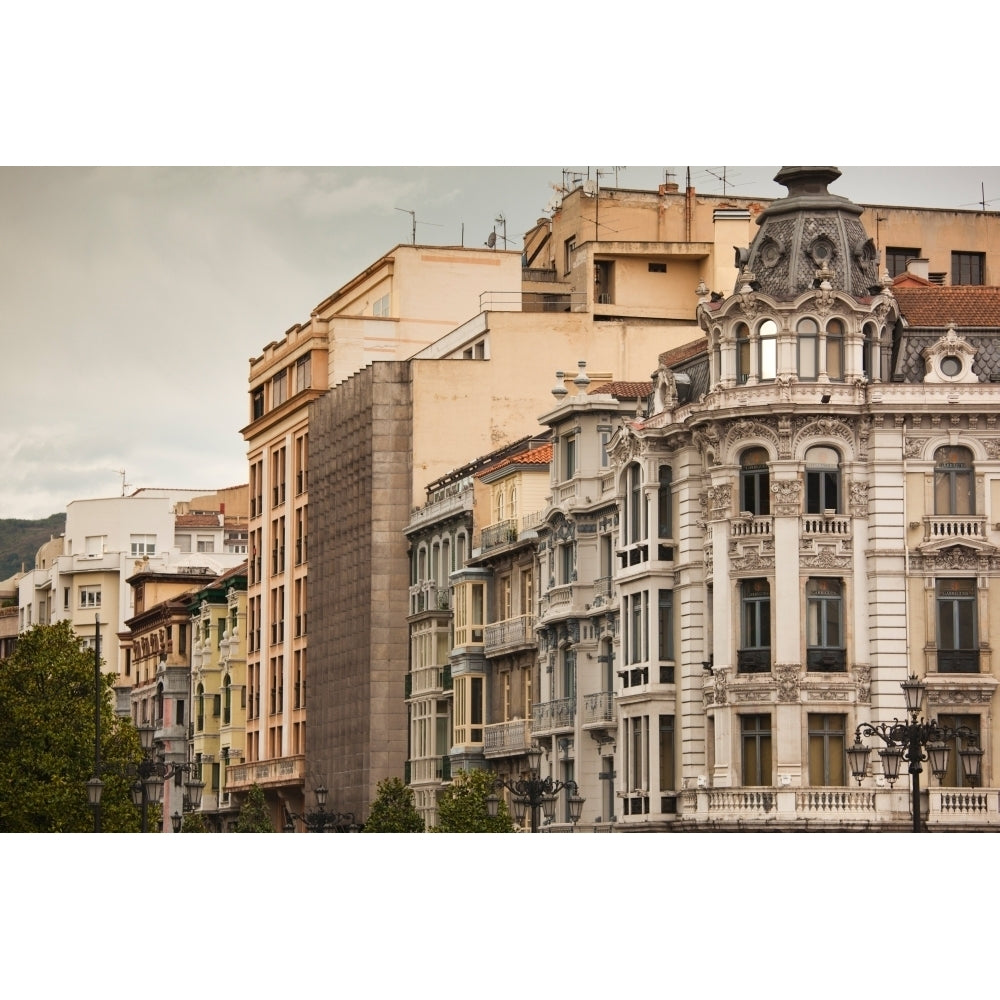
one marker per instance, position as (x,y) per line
(20,540)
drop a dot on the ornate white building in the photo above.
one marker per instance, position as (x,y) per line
(833,526)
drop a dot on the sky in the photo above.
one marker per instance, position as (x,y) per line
(134,297)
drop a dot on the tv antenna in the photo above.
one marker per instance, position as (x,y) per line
(982,203)
(719,177)
(502,222)
(121,472)
(413,217)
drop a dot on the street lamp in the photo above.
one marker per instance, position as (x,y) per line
(151,772)
(534,792)
(915,741)
(321,821)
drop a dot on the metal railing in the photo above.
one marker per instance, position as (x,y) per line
(508,634)
(550,715)
(502,738)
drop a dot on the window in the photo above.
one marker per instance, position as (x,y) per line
(257,403)
(957,638)
(143,545)
(500,505)
(469,618)
(755,481)
(183,543)
(827,758)
(605,436)
(954,490)
(666,630)
(870,361)
(381,306)
(635,614)
(568,672)
(954,777)
(835,349)
(808,344)
(668,780)
(566,556)
(569,456)
(206,543)
(967,268)
(569,248)
(767,349)
(657,267)
(635,530)
(227,701)
(824,625)
(664,503)
(199,708)
(90,597)
(742,352)
(301,463)
(896,258)
(468,709)
(636,743)
(279,389)
(303,373)
(755,733)
(754,656)
(822,480)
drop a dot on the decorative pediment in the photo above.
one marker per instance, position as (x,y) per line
(950,359)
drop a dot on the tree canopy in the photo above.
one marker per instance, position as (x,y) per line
(254,816)
(47,739)
(393,811)
(462,806)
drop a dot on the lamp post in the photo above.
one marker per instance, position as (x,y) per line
(915,741)
(321,821)
(151,772)
(534,792)
(95,786)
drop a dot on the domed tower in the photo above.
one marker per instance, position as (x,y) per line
(808,232)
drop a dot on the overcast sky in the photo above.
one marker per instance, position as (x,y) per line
(132,298)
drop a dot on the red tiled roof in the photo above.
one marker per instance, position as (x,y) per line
(541,455)
(196,521)
(623,390)
(939,306)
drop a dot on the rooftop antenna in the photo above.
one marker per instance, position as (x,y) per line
(121,472)
(982,203)
(413,217)
(668,175)
(502,222)
(718,177)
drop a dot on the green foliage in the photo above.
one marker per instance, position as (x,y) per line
(193,823)
(21,539)
(254,816)
(393,810)
(462,806)
(47,739)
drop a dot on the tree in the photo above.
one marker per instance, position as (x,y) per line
(393,810)
(462,806)
(47,739)
(193,823)
(254,816)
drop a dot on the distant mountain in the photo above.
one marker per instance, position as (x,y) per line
(20,540)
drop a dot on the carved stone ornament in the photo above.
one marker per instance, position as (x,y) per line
(825,558)
(786,495)
(628,445)
(787,679)
(992,447)
(747,298)
(720,499)
(721,686)
(947,696)
(913,446)
(950,359)
(863,682)
(752,562)
(859,499)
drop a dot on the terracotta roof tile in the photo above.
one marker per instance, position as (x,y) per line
(939,306)
(196,521)
(541,455)
(683,353)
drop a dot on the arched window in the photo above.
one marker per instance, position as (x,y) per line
(807,332)
(200,707)
(742,352)
(500,499)
(767,350)
(870,360)
(954,488)
(513,501)
(755,481)
(822,480)
(227,704)
(835,349)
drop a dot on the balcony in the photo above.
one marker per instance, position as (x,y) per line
(429,769)
(551,716)
(504,739)
(509,635)
(427,596)
(843,808)
(426,680)
(749,525)
(753,661)
(501,533)
(945,528)
(828,523)
(599,708)
(277,773)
